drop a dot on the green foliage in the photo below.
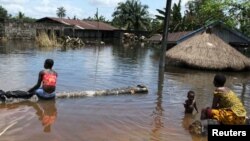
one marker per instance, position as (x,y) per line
(20,17)
(176,20)
(234,13)
(156,26)
(162,14)
(131,15)
(214,10)
(240,15)
(61,12)
(160,18)
(98,17)
(3,13)
(190,16)
(101,19)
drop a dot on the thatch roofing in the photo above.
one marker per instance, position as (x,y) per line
(207,51)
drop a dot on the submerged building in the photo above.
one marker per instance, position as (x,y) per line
(59,26)
(206,50)
(231,36)
(76,28)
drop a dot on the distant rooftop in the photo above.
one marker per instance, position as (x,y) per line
(80,24)
(172,37)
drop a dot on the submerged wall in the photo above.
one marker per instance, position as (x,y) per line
(1,30)
(19,30)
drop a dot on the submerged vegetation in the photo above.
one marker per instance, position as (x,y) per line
(52,41)
(3,39)
(44,40)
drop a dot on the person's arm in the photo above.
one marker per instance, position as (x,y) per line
(215,102)
(185,104)
(38,84)
(196,107)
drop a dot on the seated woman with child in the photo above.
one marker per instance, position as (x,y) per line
(227,108)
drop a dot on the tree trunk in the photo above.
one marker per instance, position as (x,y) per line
(139,89)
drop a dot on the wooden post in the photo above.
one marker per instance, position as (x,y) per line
(62,30)
(164,46)
(74,32)
(98,30)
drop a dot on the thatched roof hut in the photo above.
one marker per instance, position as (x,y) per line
(207,51)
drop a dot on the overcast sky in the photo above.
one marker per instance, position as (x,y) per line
(79,8)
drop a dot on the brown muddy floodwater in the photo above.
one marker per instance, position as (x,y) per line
(149,117)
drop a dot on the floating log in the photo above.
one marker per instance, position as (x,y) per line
(17,96)
(139,89)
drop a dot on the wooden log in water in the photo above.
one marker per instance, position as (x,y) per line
(139,89)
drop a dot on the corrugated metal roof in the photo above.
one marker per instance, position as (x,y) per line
(172,37)
(213,24)
(155,38)
(81,24)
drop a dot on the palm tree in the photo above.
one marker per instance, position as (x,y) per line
(20,15)
(132,15)
(160,18)
(176,20)
(61,12)
(98,17)
(121,15)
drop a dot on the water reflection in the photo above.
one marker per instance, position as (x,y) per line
(187,120)
(16,47)
(46,111)
(160,82)
(158,121)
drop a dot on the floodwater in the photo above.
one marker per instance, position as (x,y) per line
(147,117)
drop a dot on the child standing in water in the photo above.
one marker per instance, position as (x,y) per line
(190,103)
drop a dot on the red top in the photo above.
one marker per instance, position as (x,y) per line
(49,79)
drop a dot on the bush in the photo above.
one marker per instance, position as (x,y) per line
(44,40)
